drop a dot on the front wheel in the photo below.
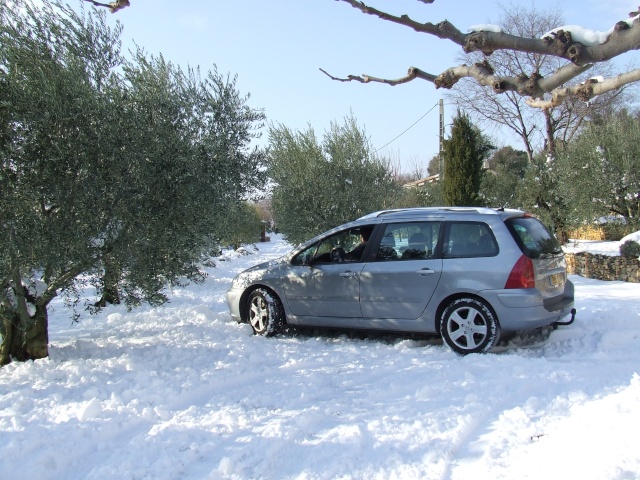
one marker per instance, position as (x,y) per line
(265,312)
(468,325)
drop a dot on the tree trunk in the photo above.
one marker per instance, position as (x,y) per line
(110,279)
(110,295)
(550,141)
(25,338)
(26,326)
(7,340)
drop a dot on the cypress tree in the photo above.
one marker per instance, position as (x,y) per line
(464,153)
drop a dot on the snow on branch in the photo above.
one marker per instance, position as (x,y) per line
(586,90)
(581,47)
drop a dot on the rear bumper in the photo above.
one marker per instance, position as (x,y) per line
(524,309)
(558,303)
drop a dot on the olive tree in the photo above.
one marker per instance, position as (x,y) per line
(114,171)
(319,185)
(242,225)
(539,193)
(600,171)
(503,178)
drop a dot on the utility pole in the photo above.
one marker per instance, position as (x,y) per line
(441,149)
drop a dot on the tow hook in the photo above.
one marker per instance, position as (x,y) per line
(569,322)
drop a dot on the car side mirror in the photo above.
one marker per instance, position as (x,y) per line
(306,260)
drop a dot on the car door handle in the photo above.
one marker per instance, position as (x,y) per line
(423,272)
(348,274)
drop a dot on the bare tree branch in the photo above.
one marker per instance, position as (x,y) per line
(587,90)
(533,86)
(442,30)
(560,43)
(113,6)
(624,37)
(510,109)
(412,74)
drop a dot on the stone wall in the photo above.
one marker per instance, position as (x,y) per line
(603,267)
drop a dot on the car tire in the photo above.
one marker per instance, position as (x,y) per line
(265,313)
(468,325)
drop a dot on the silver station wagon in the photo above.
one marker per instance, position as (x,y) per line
(466,274)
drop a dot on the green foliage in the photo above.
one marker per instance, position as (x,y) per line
(500,189)
(320,185)
(600,170)
(187,179)
(539,193)
(464,154)
(109,163)
(243,225)
(504,177)
(56,86)
(429,195)
(507,159)
(434,165)
(630,249)
(615,231)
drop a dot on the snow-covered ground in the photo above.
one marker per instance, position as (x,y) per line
(182,392)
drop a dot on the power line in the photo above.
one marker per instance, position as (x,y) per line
(413,125)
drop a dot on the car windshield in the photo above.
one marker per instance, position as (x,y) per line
(533,237)
(350,242)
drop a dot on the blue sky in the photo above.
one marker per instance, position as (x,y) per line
(277,47)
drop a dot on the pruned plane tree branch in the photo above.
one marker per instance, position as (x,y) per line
(113,6)
(576,46)
(412,74)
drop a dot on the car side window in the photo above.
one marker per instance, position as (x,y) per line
(469,239)
(408,241)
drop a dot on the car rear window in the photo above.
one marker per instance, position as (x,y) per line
(534,239)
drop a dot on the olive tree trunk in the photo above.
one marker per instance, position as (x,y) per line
(25,340)
(111,276)
(25,329)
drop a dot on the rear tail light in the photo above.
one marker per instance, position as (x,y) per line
(522,274)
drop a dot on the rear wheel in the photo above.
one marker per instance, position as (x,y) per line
(468,325)
(265,312)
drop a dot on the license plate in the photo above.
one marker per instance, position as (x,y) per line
(556,279)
